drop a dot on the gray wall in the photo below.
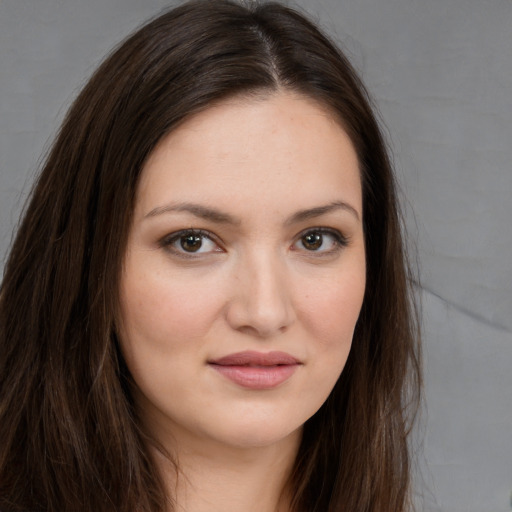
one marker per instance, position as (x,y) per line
(441,73)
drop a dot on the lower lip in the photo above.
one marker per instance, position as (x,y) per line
(257,377)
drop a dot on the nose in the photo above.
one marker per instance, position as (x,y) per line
(262,302)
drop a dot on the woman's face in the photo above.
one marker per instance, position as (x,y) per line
(244,273)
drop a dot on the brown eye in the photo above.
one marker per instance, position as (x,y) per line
(191,242)
(321,241)
(312,241)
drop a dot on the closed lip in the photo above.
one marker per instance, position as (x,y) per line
(256,370)
(254,358)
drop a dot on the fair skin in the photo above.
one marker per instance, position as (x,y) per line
(247,238)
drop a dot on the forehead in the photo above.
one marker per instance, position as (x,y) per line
(273,146)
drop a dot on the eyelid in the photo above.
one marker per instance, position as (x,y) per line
(340,239)
(168,240)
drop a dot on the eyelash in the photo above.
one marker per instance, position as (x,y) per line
(168,241)
(340,241)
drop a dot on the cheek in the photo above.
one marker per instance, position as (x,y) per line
(333,307)
(331,314)
(165,322)
(160,309)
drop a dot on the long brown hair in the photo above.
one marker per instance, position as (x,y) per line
(69,431)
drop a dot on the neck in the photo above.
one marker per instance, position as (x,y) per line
(212,478)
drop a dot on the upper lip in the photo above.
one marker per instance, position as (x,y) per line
(253,358)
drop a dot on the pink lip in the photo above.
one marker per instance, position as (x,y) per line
(256,370)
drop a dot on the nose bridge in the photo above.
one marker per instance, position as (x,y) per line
(262,303)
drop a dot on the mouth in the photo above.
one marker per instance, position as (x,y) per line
(256,370)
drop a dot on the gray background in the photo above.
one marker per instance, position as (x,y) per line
(441,73)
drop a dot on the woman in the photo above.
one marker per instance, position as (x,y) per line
(207,303)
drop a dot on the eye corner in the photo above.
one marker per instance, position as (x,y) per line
(318,235)
(174,243)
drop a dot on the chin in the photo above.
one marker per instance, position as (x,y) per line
(247,438)
(248,432)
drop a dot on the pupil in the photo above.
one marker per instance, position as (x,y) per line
(191,243)
(312,241)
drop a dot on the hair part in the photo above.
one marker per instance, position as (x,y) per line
(71,437)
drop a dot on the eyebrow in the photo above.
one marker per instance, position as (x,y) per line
(219,217)
(203,212)
(318,211)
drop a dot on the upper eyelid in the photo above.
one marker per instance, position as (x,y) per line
(324,230)
(172,237)
(341,241)
(181,232)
